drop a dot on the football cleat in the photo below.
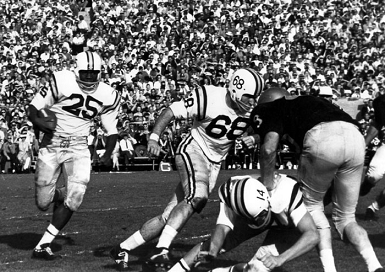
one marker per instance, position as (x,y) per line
(381,269)
(370,215)
(120,256)
(159,258)
(44,253)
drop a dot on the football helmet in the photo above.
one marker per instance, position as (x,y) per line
(272,94)
(245,81)
(249,198)
(88,71)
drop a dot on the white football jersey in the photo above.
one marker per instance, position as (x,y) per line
(74,108)
(216,125)
(286,203)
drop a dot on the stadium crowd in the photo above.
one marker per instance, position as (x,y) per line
(155,51)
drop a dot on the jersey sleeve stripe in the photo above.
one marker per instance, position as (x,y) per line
(294,195)
(298,204)
(53,87)
(114,105)
(224,193)
(201,94)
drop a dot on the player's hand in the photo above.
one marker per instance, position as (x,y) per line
(153,147)
(44,126)
(203,257)
(249,141)
(271,261)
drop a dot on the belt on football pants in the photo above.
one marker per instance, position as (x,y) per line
(72,138)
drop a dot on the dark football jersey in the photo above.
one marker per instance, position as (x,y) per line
(295,116)
(379,116)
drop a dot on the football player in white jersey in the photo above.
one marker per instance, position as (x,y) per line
(247,210)
(220,117)
(75,98)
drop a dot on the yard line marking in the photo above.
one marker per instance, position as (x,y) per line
(195,237)
(94,210)
(12,262)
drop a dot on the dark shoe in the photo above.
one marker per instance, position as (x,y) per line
(365,188)
(380,270)
(370,215)
(159,258)
(120,256)
(45,253)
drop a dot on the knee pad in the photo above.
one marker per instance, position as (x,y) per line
(198,203)
(320,219)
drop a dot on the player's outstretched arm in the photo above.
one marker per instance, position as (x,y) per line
(163,120)
(308,240)
(371,133)
(268,157)
(204,252)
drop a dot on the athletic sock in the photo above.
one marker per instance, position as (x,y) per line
(167,236)
(327,260)
(48,236)
(370,259)
(133,241)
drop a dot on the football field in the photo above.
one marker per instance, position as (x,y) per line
(116,205)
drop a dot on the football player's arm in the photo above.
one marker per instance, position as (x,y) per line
(371,133)
(251,140)
(268,156)
(161,123)
(37,122)
(308,240)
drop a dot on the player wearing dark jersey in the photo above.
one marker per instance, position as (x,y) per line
(332,148)
(376,169)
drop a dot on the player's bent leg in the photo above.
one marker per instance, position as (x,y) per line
(375,171)
(46,175)
(78,170)
(197,255)
(360,240)
(61,216)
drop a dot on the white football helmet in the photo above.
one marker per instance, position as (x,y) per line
(248,198)
(88,71)
(245,81)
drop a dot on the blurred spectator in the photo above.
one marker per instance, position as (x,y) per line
(115,157)
(127,149)
(9,154)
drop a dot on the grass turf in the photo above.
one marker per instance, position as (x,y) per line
(116,205)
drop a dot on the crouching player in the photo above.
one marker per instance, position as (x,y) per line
(246,210)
